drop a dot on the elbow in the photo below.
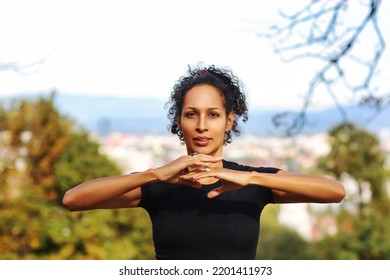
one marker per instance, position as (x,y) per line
(340,193)
(69,203)
(336,194)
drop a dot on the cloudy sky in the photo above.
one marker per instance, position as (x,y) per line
(140,48)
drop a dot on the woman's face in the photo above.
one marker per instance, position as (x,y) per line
(203,120)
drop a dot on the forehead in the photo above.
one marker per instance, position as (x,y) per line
(204,96)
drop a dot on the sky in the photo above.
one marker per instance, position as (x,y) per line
(140,48)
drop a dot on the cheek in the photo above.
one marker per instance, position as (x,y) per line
(219,127)
(186,126)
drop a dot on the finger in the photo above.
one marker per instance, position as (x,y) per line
(211,159)
(204,174)
(197,174)
(206,158)
(195,185)
(192,183)
(188,177)
(216,192)
(199,163)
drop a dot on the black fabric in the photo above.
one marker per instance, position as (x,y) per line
(188,225)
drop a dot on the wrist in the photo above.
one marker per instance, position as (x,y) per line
(255,178)
(152,175)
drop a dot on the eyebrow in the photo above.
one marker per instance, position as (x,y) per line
(209,108)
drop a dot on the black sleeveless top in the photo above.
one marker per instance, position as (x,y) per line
(188,225)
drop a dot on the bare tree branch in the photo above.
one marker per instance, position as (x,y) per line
(325,31)
(22,68)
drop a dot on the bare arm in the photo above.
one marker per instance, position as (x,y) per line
(124,191)
(109,192)
(286,187)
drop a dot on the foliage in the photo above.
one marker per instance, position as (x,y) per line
(362,234)
(343,38)
(81,161)
(357,152)
(33,135)
(41,156)
(358,239)
(278,242)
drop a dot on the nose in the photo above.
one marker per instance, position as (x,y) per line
(201,125)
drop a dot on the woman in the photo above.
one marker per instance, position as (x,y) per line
(201,206)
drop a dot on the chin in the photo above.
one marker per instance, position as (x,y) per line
(202,150)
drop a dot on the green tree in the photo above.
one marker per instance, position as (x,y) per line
(357,153)
(278,242)
(41,156)
(81,161)
(362,234)
(357,239)
(99,234)
(33,134)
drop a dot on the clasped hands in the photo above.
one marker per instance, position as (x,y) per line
(192,170)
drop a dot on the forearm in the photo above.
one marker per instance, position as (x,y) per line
(95,191)
(299,188)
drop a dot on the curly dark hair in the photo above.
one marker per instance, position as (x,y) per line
(222,79)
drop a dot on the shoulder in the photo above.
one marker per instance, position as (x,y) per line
(241,167)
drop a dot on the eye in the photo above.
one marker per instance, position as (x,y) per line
(190,114)
(214,114)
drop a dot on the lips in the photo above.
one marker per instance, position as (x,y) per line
(202,140)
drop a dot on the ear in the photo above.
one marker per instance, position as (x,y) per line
(230,121)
